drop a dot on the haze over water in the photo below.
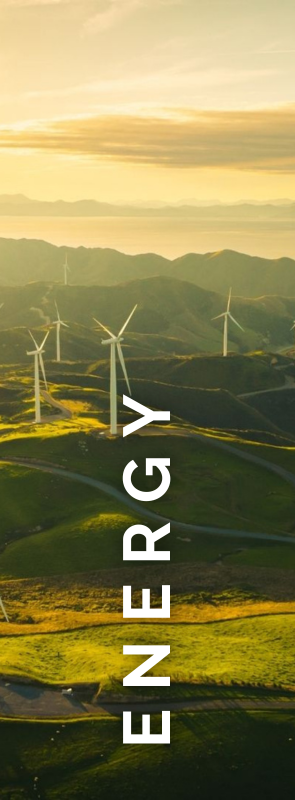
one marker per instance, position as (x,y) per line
(170,238)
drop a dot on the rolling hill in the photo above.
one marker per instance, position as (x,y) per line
(173,316)
(27,260)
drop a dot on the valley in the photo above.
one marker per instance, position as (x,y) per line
(231,503)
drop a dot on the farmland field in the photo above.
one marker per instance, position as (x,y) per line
(258,650)
(243,754)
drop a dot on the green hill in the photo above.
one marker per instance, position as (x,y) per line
(247,753)
(278,407)
(173,316)
(236,374)
(33,260)
(59,526)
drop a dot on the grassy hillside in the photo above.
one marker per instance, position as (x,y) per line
(173,316)
(235,374)
(236,650)
(32,260)
(203,407)
(245,753)
(62,527)
(162,381)
(278,407)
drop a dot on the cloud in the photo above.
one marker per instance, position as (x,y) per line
(31,3)
(259,140)
(182,77)
(113,11)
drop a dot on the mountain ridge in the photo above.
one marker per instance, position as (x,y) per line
(21,205)
(29,260)
(172,315)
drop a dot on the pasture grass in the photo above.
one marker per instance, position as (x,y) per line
(253,650)
(223,754)
(210,487)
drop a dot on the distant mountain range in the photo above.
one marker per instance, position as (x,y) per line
(26,260)
(22,206)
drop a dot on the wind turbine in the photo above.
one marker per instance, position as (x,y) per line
(66,269)
(38,361)
(3,609)
(58,322)
(293,326)
(115,344)
(227,315)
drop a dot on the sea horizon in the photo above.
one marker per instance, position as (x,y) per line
(163,236)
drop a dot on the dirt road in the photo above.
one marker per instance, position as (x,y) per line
(143,511)
(35,702)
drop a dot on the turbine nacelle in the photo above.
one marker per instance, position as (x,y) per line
(39,348)
(113,340)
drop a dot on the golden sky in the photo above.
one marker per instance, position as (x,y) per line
(147,99)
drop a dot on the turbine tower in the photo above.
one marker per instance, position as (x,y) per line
(3,609)
(115,345)
(59,323)
(66,269)
(227,315)
(38,362)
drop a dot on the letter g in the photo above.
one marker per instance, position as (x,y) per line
(155,494)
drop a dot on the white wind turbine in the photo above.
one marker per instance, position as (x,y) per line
(293,326)
(59,323)
(66,269)
(115,344)
(38,362)
(227,315)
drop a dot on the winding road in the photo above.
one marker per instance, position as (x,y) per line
(125,499)
(142,510)
(64,413)
(289,384)
(37,702)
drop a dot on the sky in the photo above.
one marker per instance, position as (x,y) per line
(126,100)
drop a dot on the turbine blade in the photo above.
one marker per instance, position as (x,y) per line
(127,320)
(293,326)
(104,328)
(44,340)
(34,340)
(229,299)
(4,610)
(122,362)
(219,316)
(57,311)
(236,323)
(64,324)
(43,370)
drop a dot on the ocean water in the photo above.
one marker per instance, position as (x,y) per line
(168,237)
